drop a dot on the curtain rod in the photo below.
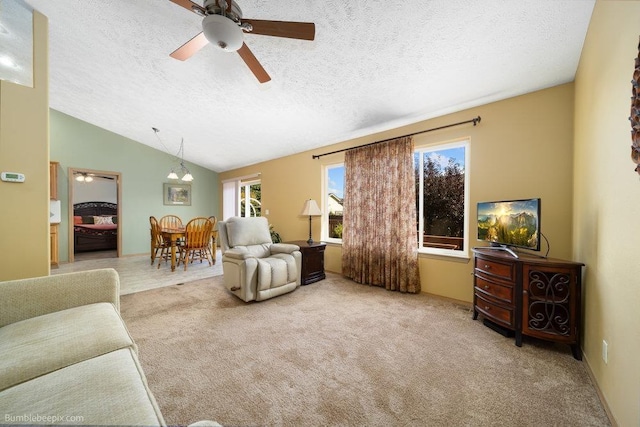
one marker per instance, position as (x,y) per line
(475,121)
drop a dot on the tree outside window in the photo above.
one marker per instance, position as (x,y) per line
(440,197)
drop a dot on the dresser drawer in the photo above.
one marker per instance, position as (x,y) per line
(496,269)
(494,311)
(501,292)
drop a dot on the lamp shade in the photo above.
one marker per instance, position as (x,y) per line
(311,208)
(222,32)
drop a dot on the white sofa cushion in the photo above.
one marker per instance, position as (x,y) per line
(33,347)
(106,390)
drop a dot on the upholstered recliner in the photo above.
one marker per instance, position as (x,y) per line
(254,268)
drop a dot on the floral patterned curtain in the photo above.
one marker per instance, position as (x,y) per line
(379,243)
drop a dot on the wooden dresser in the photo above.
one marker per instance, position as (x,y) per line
(533,296)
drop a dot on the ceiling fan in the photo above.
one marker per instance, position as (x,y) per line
(88,176)
(224,27)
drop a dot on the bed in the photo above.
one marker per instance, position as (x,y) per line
(95,226)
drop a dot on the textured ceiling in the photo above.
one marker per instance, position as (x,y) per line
(374,65)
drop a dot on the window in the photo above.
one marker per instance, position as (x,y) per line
(442,198)
(241,197)
(332,205)
(250,199)
(442,194)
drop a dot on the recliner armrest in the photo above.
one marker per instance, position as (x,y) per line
(283,248)
(238,253)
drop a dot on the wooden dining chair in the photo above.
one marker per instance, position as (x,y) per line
(170,221)
(157,242)
(197,238)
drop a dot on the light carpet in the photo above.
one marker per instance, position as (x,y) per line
(338,353)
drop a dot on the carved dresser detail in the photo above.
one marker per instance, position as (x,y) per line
(532,296)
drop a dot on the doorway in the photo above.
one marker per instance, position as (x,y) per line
(95,213)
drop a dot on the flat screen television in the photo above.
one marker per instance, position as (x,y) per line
(510,223)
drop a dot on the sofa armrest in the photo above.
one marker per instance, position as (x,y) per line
(283,248)
(26,298)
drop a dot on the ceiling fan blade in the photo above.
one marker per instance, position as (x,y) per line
(292,30)
(253,64)
(189,5)
(187,50)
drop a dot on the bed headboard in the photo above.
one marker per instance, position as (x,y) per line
(95,209)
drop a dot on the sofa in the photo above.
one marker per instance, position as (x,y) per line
(66,356)
(254,268)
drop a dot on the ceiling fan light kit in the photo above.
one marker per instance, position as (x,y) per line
(222,32)
(224,27)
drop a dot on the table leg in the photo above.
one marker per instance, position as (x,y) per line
(173,253)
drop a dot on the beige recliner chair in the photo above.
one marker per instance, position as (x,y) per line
(256,269)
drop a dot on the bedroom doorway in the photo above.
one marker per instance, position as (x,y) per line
(95,220)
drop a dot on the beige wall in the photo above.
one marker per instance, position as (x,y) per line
(24,128)
(607,205)
(521,149)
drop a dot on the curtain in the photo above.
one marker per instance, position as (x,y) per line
(379,240)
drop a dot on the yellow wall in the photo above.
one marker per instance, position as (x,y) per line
(24,128)
(522,148)
(607,205)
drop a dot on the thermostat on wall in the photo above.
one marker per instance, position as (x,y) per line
(12,177)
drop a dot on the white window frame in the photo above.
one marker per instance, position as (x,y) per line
(325,203)
(464,253)
(247,184)
(231,194)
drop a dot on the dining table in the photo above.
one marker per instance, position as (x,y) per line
(172,235)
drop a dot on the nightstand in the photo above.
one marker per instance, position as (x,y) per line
(312,261)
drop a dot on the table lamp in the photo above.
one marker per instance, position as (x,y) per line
(310,208)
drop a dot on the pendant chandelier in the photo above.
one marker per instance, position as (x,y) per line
(184,171)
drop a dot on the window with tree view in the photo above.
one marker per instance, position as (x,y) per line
(250,199)
(441,198)
(333,203)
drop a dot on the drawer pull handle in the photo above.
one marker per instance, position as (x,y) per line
(487,286)
(486,266)
(486,307)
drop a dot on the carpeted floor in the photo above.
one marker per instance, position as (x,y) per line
(338,353)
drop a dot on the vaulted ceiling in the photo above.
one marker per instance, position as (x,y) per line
(374,65)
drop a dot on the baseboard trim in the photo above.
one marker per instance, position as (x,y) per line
(603,400)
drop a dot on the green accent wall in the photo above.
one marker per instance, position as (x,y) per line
(81,145)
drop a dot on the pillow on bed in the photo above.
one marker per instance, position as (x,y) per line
(102,220)
(77,219)
(87,220)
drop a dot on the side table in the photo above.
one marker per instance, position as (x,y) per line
(312,261)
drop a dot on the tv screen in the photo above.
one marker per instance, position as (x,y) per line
(510,223)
